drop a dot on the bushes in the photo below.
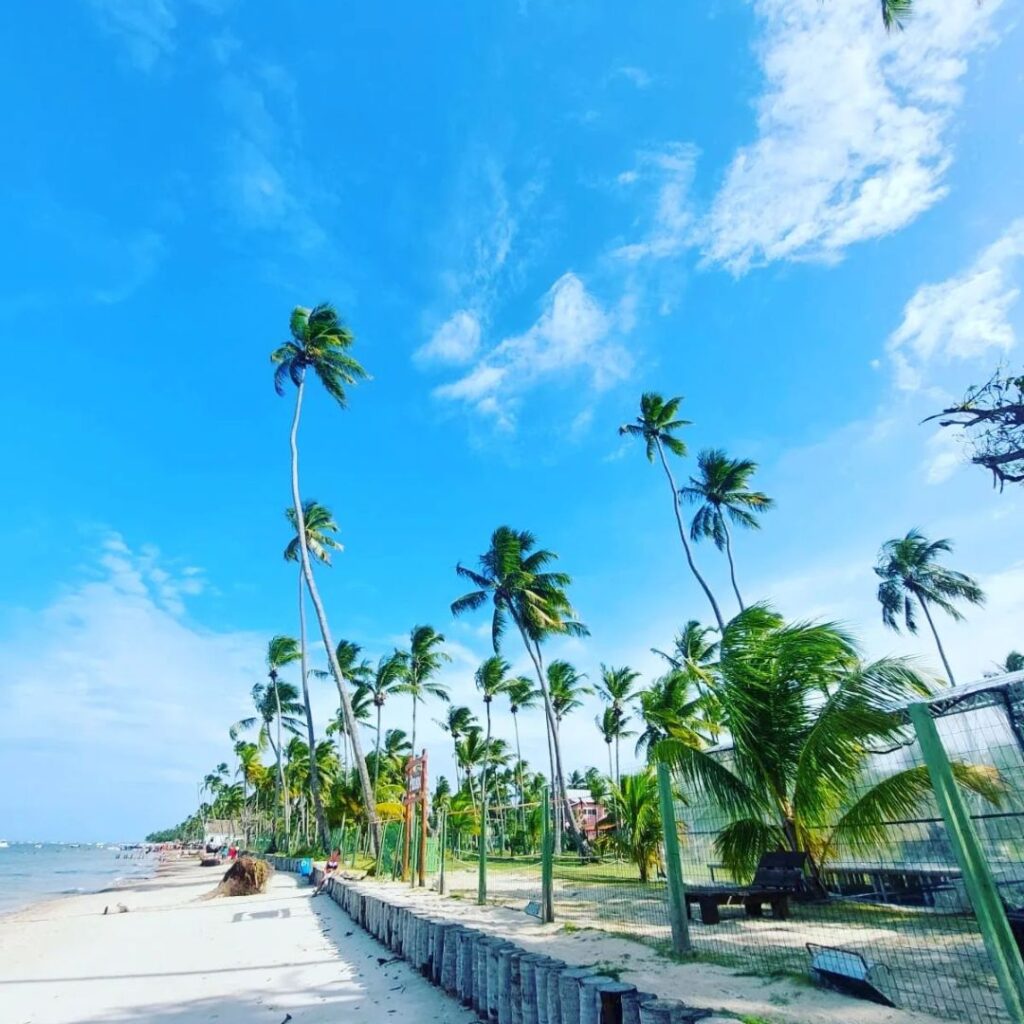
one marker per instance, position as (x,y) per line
(246,877)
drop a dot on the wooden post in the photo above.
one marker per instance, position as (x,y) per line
(423,820)
(1002,950)
(547,853)
(673,867)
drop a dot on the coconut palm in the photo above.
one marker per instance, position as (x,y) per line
(804,715)
(470,752)
(281,651)
(912,577)
(657,425)
(567,689)
(721,491)
(1014,662)
(636,819)
(362,701)
(607,726)
(895,13)
(386,680)
(456,723)
(618,688)
(320,528)
(522,696)
(671,705)
(422,662)
(320,342)
(515,579)
(693,653)
(491,680)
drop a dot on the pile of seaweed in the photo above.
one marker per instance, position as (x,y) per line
(246,877)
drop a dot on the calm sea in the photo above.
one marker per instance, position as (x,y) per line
(31,871)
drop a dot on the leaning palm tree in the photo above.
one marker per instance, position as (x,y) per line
(515,579)
(657,425)
(618,688)
(805,715)
(320,528)
(320,342)
(386,680)
(422,662)
(912,577)
(721,490)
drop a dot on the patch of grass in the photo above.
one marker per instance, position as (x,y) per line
(569,927)
(605,967)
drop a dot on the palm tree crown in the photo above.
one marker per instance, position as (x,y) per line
(912,577)
(319,342)
(419,664)
(320,527)
(721,490)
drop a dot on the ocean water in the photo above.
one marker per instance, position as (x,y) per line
(40,871)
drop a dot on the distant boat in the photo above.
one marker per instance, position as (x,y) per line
(4,844)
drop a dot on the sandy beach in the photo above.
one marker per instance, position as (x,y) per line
(177,958)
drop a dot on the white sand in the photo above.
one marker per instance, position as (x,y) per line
(702,985)
(173,959)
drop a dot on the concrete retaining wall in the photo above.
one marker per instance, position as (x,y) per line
(503,983)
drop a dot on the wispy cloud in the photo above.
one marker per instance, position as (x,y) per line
(573,333)
(963,317)
(111,689)
(853,136)
(455,341)
(634,75)
(146,27)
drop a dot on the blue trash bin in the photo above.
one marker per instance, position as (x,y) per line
(306,867)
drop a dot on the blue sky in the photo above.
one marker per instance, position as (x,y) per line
(529,213)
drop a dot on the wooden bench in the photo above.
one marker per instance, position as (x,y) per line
(778,876)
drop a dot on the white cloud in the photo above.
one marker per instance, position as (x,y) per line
(852,129)
(963,317)
(634,75)
(673,218)
(573,333)
(110,694)
(944,456)
(455,341)
(146,27)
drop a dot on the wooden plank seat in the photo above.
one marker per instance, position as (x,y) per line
(779,876)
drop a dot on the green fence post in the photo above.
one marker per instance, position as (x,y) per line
(481,877)
(444,840)
(673,868)
(547,861)
(981,886)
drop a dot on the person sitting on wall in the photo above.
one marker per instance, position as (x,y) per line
(329,869)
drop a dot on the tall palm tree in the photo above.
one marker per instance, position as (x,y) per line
(320,342)
(386,680)
(470,752)
(281,651)
(320,528)
(515,579)
(522,696)
(804,715)
(912,576)
(657,425)
(422,662)
(457,722)
(491,680)
(607,724)
(721,490)
(362,701)
(693,653)
(618,688)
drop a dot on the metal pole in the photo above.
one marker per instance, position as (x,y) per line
(423,820)
(481,876)
(673,867)
(981,886)
(547,853)
(444,840)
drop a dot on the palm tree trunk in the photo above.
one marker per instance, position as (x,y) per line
(519,773)
(686,544)
(314,781)
(618,773)
(412,740)
(483,777)
(732,566)
(611,772)
(376,756)
(325,632)
(559,780)
(938,642)
(283,793)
